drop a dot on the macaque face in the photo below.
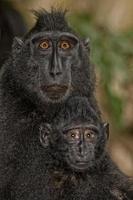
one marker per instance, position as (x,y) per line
(78,145)
(81,141)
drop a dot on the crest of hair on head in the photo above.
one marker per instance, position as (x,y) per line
(53,20)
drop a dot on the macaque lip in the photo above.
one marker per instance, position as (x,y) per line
(78,165)
(81,162)
(54,91)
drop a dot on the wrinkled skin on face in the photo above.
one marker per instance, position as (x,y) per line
(49,66)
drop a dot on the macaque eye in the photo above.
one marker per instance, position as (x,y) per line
(73,134)
(65,45)
(44,44)
(89,134)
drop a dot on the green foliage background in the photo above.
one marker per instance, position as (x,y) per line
(110,53)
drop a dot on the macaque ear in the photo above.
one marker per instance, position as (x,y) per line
(17,42)
(17,45)
(106,129)
(45,131)
(87,43)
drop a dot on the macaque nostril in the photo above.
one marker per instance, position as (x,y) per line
(58,73)
(53,74)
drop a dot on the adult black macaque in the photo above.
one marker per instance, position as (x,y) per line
(68,160)
(46,67)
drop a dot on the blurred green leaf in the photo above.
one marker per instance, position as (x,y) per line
(109,52)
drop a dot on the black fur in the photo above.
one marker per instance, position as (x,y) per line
(51,21)
(44,174)
(23,107)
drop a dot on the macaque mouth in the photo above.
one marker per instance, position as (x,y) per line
(78,165)
(54,91)
(81,162)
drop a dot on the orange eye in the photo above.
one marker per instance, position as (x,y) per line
(65,45)
(44,44)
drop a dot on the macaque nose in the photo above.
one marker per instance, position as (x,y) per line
(56,66)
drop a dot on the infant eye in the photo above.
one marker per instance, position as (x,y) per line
(73,135)
(44,44)
(65,45)
(89,134)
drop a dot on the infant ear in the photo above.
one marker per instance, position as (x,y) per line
(106,129)
(86,43)
(44,134)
